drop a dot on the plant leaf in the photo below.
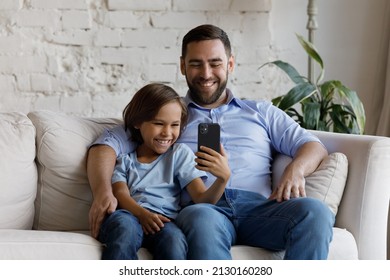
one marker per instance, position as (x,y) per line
(337,115)
(322,125)
(311,115)
(310,49)
(327,90)
(356,105)
(276,100)
(312,52)
(296,95)
(289,70)
(330,106)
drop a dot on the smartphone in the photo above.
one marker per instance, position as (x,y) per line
(209,136)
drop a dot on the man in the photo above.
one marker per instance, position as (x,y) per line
(249,212)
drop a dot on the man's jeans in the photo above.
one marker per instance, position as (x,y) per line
(300,226)
(122,235)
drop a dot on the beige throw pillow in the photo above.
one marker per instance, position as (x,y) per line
(64,195)
(327,183)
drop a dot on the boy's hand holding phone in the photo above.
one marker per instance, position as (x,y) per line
(211,157)
(211,161)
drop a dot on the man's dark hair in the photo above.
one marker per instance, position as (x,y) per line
(206,32)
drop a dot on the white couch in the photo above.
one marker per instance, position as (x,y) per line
(45,195)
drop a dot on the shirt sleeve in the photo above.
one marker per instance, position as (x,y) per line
(185,166)
(120,170)
(118,139)
(286,135)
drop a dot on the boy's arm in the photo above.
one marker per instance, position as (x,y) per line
(200,194)
(100,165)
(217,164)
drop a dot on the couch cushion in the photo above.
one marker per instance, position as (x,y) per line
(64,196)
(18,172)
(342,247)
(35,245)
(327,183)
(48,245)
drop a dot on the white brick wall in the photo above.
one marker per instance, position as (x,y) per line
(144,5)
(88,57)
(11,4)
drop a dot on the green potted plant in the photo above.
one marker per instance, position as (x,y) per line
(320,105)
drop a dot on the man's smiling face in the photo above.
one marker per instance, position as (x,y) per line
(206,68)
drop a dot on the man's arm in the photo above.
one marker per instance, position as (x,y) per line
(305,162)
(100,165)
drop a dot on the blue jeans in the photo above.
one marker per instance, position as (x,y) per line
(122,235)
(300,226)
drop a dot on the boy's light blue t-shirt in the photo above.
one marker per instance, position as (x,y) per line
(157,186)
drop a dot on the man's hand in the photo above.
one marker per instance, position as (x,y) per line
(101,206)
(292,185)
(305,162)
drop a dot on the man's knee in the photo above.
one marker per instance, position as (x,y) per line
(320,209)
(318,214)
(198,215)
(209,232)
(206,222)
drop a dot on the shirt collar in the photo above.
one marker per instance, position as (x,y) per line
(231,100)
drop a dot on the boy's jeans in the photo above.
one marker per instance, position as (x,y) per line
(122,235)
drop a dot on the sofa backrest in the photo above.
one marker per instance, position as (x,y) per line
(64,195)
(18,172)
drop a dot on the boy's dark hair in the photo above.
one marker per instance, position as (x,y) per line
(206,32)
(145,105)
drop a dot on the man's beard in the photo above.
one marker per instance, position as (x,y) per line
(202,100)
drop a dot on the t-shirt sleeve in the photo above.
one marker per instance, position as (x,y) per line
(120,170)
(118,139)
(185,170)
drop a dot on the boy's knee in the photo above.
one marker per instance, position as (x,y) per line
(120,223)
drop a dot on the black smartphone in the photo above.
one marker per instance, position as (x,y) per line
(209,136)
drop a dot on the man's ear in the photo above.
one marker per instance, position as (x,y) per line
(182,66)
(231,64)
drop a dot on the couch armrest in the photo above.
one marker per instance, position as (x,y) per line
(365,204)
